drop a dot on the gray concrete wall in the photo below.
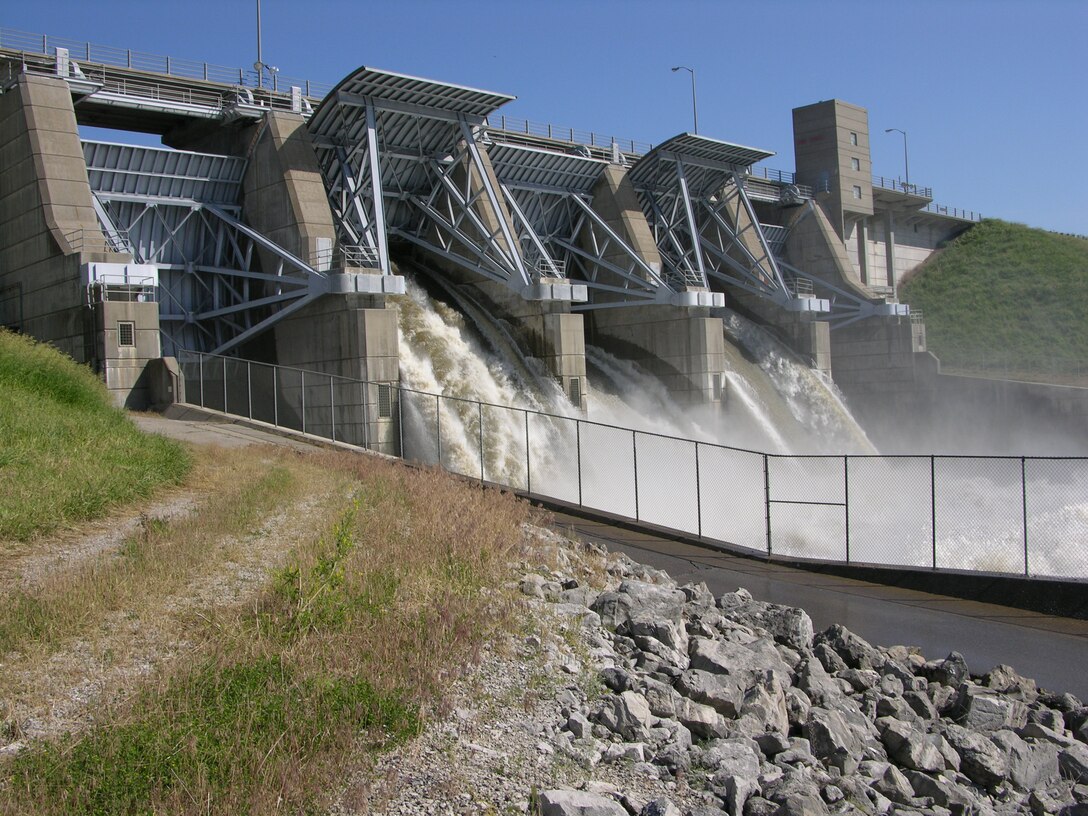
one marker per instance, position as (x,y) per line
(616,202)
(547,330)
(684,348)
(125,365)
(979,415)
(813,247)
(353,336)
(284,194)
(829,138)
(49,230)
(874,365)
(44,202)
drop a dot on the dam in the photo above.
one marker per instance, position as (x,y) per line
(320,258)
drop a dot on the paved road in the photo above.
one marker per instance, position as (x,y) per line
(1051,649)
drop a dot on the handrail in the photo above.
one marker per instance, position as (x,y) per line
(86,52)
(513,124)
(953,212)
(902,187)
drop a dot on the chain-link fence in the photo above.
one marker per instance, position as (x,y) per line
(1019,515)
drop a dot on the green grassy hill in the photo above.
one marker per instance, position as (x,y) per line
(67,454)
(1004,299)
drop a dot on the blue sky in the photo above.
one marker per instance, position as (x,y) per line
(992,93)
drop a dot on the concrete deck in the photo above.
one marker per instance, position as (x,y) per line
(1051,649)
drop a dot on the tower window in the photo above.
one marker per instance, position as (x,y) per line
(575,391)
(853,138)
(855,164)
(126,333)
(857,192)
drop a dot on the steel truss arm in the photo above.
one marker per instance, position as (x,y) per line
(213,294)
(846,307)
(493,199)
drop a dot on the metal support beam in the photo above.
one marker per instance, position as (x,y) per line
(376,190)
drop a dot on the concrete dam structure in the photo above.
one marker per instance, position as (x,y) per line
(278,222)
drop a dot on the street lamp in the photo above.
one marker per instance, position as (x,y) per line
(694,109)
(906,162)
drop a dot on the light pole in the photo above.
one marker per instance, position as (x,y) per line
(260,66)
(694,109)
(906,161)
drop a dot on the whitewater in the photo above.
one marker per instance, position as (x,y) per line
(475,404)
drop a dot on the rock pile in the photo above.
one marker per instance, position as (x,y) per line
(741,700)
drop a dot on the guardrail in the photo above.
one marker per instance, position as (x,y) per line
(567,134)
(1001,514)
(86,239)
(85,52)
(901,186)
(954,212)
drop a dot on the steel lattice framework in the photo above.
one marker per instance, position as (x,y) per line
(219,281)
(550,196)
(406,157)
(692,191)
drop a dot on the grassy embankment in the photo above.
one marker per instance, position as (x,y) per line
(1007,300)
(67,454)
(344,645)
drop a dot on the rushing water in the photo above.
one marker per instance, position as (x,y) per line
(775,404)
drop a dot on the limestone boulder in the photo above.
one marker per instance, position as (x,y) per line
(578,803)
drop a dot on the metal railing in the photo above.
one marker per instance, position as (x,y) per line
(567,134)
(1002,514)
(93,239)
(85,52)
(119,290)
(954,212)
(356,255)
(901,186)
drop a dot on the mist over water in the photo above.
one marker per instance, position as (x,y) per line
(775,405)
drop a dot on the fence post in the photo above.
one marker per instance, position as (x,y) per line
(400,418)
(698,494)
(303,388)
(480,406)
(438,426)
(767,497)
(846,501)
(634,461)
(1024,498)
(224,359)
(528,473)
(578,450)
(933,504)
(201,359)
(364,392)
(275,396)
(249,386)
(332,408)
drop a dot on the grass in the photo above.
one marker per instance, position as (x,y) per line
(1007,299)
(350,647)
(155,561)
(68,455)
(344,642)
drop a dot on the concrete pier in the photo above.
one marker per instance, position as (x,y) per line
(53,243)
